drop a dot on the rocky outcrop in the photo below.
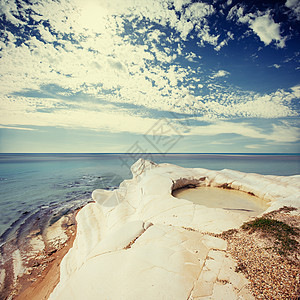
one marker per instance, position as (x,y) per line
(139,242)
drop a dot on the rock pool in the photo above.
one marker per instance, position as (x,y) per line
(227,199)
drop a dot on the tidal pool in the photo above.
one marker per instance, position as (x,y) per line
(227,199)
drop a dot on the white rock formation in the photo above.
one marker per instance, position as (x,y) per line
(139,242)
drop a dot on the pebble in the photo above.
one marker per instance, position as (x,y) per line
(271,275)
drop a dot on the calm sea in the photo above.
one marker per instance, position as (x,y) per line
(46,186)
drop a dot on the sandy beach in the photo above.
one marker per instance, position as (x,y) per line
(41,285)
(41,271)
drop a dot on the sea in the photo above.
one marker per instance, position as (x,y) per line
(45,187)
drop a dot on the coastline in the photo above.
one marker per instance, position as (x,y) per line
(189,257)
(245,248)
(41,271)
(43,285)
(205,261)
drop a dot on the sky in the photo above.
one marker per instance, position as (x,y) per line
(167,76)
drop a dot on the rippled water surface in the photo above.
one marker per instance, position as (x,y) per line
(39,188)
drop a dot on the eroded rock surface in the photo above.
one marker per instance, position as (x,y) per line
(139,242)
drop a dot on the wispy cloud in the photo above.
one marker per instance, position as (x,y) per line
(280,133)
(16,128)
(254,146)
(276,66)
(294,5)
(220,73)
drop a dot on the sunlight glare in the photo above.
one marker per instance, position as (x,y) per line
(93,15)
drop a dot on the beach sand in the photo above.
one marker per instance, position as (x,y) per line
(40,273)
(41,285)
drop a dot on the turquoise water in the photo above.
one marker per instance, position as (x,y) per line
(45,186)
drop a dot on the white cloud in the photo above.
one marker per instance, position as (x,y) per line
(25,111)
(16,128)
(267,30)
(10,9)
(198,11)
(263,107)
(155,35)
(296,91)
(184,27)
(276,66)
(262,25)
(291,3)
(224,104)
(178,4)
(46,34)
(254,146)
(195,17)
(94,117)
(235,11)
(96,57)
(225,41)
(205,36)
(220,73)
(19,111)
(280,133)
(294,5)
(191,57)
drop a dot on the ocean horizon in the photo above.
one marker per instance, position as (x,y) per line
(46,186)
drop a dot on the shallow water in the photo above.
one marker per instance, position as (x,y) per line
(36,189)
(226,199)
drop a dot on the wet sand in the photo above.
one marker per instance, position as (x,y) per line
(32,273)
(37,288)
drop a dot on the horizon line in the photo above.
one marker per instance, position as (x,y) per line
(157,153)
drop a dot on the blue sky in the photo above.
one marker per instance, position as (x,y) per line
(149,76)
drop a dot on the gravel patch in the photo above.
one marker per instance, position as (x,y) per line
(273,273)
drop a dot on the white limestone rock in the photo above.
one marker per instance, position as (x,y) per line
(139,242)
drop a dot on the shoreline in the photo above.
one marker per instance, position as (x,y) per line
(194,236)
(172,248)
(43,285)
(41,271)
